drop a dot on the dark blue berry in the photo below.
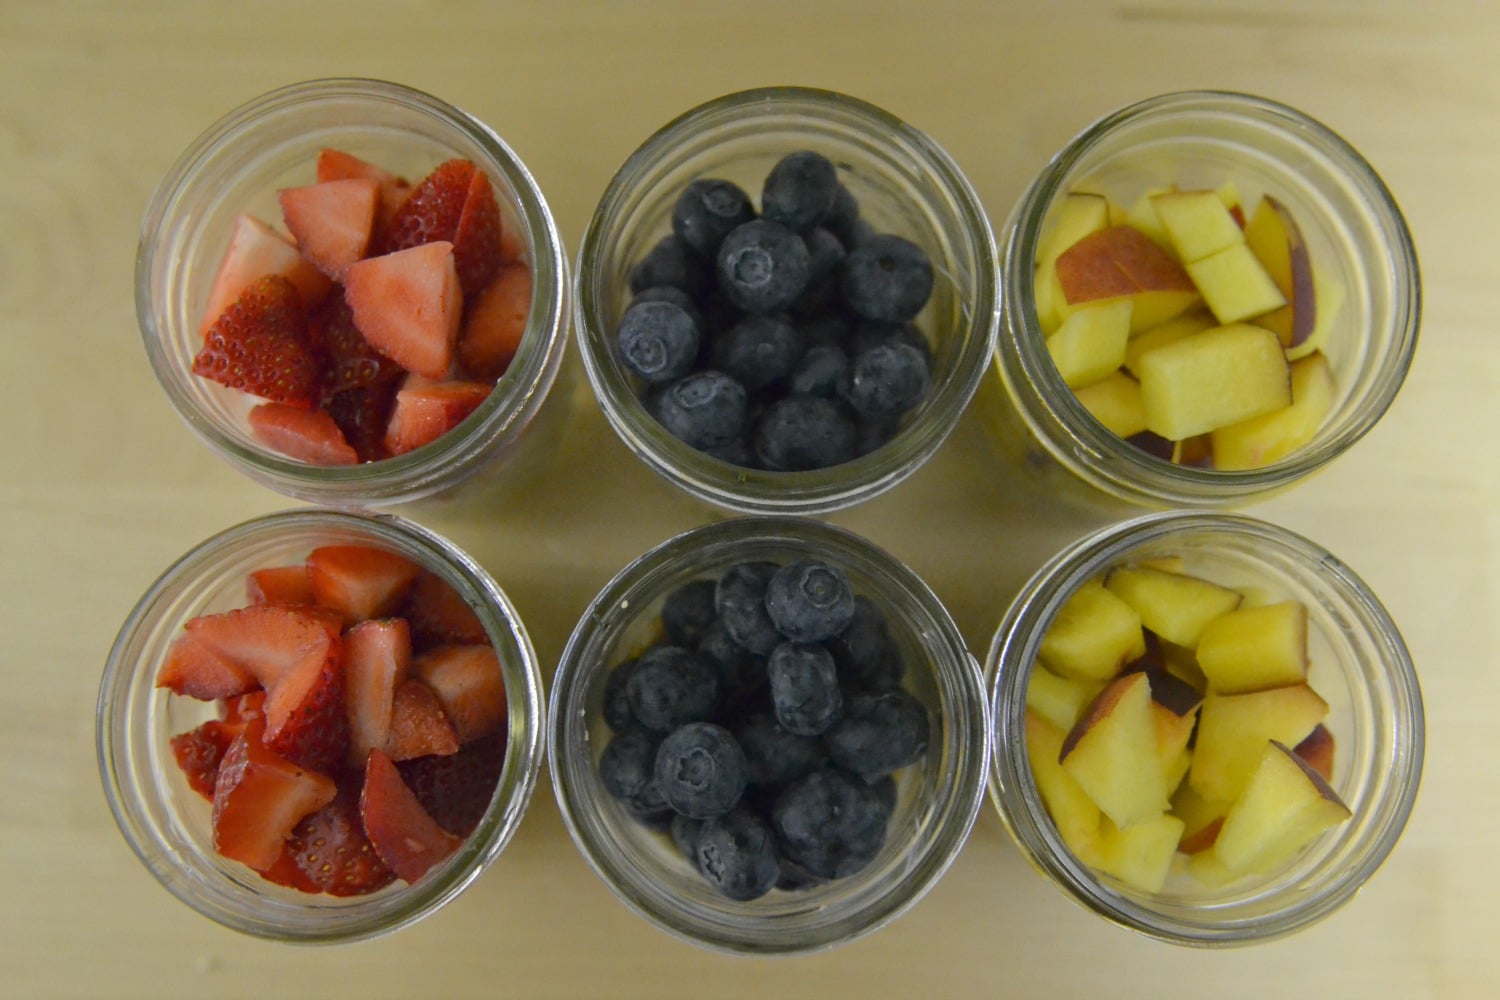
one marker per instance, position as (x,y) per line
(758,351)
(828,330)
(804,432)
(873,332)
(804,688)
(707,211)
(684,831)
(763,267)
(810,601)
(886,277)
(679,298)
(843,218)
(776,757)
(799,191)
(741,673)
(701,770)
(736,853)
(688,612)
(887,380)
(878,734)
(795,878)
(740,599)
(627,770)
(830,823)
(671,686)
(866,656)
(736,452)
(706,410)
(672,262)
(658,341)
(824,255)
(618,714)
(822,372)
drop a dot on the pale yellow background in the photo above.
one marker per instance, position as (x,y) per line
(103,486)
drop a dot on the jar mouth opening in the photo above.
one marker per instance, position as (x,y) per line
(175,240)
(1074,437)
(639,870)
(1385,702)
(155,810)
(860,138)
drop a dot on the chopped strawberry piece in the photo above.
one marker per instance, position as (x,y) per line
(362,416)
(349,361)
(199,751)
(408,306)
(456,789)
(286,872)
(419,726)
(476,238)
(279,585)
(403,834)
(259,798)
(255,251)
(426,410)
(306,721)
(438,615)
(332,221)
(269,640)
(332,851)
(494,323)
(432,211)
(241,709)
(259,345)
(360,581)
(468,684)
(195,669)
(337,165)
(512,238)
(377,656)
(307,435)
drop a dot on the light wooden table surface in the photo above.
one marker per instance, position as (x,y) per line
(103,486)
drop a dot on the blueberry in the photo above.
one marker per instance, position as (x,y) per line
(679,298)
(617,711)
(804,432)
(759,350)
(830,823)
(736,452)
(828,330)
(763,267)
(672,262)
(684,831)
(740,599)
(776,756)
(706,409)
(736,853)
(658,341)
(886,791)
(804,688)
(866,656)
(824,255)
(810,601)
(795,878)
(627,771)
(822,372)
(873,332)
(799,191)
(741,673)
(887,380)
(701,770)
(707,211)
(688,611)
(886,277)
(671,686)
(843,218)
(878,734)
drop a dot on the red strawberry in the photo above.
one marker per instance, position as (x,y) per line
(307,435)
(439,616)
(418,725)
(493,324)
(349,361)
(332,221)
(468,684)
(432,211)
(408,305)
(195,669)
(476,238)
(268,640)
(199,751)
(359,581)
(426,410)
(279,585)
(259,798)
(259,345)
(239,710)
(362,415)
(255,251)
(285,871)
(456,789)
(336,165)
(333,853)
(377,656)
(512,237)
(306,721)
(403,834)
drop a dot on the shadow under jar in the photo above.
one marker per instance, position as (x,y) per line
(904,186)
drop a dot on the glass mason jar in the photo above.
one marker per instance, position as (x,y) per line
(272,142)
(169,826)
(1354,234)
(904,184)
(937,798)
(1358,664)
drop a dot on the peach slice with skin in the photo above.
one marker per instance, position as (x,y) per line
(1112,753)
(1271,437)
(1121,262)
(1073,813)
(1284,807)
(1233,730)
